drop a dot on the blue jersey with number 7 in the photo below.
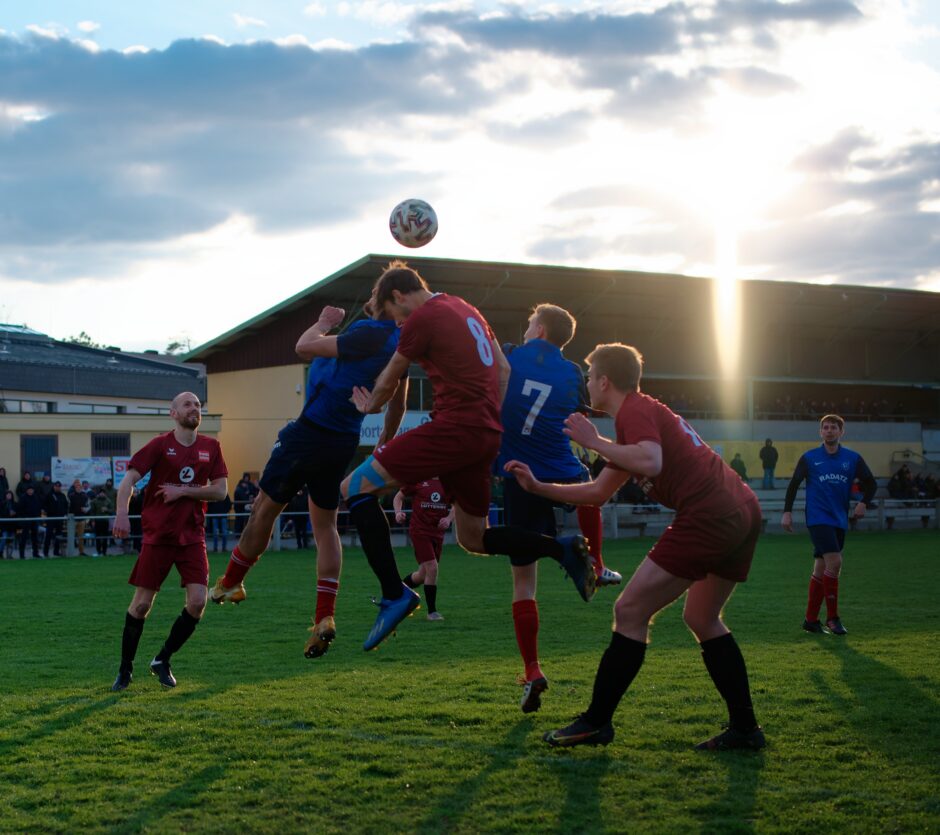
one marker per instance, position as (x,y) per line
(544,388)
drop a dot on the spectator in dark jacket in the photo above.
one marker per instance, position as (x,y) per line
(299,516)
(217,522)
(25,481)
(44,487)
(56,507)
(4,481)
(7,522)
(768,458)
(28,509)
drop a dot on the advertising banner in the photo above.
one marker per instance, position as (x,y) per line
(120,470)
(93,470)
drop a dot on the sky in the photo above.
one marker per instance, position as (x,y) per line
(170,170)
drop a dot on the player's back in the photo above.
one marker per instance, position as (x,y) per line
(544,389)
(449,338)
(363,350)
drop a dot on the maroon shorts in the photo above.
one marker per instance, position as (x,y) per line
(694,546)
(427,548)
(460,456)
(155,561)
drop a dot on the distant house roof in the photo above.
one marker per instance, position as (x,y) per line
(789,330)
(34,362)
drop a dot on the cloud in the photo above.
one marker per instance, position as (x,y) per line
(244,22)
(88,26)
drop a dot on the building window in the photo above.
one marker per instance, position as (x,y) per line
(37,452)
(110,444)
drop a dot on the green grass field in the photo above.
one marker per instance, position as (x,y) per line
(425,735)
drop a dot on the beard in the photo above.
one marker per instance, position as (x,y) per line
(190,421)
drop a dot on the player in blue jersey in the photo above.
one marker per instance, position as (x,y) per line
(544,389)
(316,449)
(829,471)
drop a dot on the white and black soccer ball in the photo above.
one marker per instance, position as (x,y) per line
(413,223)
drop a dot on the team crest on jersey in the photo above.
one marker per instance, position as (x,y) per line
(187,474)
(435,496)
(203,455)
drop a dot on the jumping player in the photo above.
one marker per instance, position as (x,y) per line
(544,388)
(706,551)
(186,471)
(316,450)
(451,340)
(830,470)
(431,516)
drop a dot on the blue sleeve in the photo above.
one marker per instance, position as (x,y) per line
(801,471)
(360,342)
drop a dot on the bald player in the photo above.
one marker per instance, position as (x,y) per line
(186,471)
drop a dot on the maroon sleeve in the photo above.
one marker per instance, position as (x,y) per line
(635,424)
(147,456)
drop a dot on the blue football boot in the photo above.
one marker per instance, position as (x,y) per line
(577,563)
(391,613)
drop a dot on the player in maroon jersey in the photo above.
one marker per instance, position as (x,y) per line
(186,471)
(706,551)
(431,516)
(455,346)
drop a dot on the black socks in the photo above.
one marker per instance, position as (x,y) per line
(133,627)
(619,665)
(372,524)
(182,628)
(725,665)
(521,546)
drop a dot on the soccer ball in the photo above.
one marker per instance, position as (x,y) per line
(413,223)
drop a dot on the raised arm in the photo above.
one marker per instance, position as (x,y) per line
(314,341)
(395,412)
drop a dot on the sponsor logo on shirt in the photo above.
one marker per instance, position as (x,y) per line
(187,474)
(203,455)
(170,451)
(833,477)
(435,496)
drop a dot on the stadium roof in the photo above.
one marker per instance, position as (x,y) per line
(790,330)
(31,361)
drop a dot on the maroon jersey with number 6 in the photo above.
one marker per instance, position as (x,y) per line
(452,342)
(169,462)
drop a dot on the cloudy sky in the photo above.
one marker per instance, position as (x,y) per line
(168,170)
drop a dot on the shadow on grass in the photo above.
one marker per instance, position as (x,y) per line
(93,703)
(879,690)
(734,810)
(449,811)
(182,796)
(583,779)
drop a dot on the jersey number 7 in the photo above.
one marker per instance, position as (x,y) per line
(541,390)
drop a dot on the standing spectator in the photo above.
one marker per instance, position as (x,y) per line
(79,505)
(298,510)
(44,487)
(4,481)
(25,481)
(829,470)
(768,458)
(56,507)
(101,508)
(28,509)
(737,464)
(243,496)
(217,521)
(7,522)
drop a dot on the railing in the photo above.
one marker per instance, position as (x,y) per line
(620,520)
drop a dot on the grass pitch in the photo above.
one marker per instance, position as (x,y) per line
(425,735)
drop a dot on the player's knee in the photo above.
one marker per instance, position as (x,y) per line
(701,624)
(430,572)
(141,610)
(629,611)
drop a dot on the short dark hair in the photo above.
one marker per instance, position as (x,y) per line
(832,419)
(619,363)
(559,324)
(397,276)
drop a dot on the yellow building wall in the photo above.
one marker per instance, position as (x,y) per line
(877,455)
(254,406)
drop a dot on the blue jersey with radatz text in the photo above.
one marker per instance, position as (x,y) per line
(364,349)
(544,388)
(829,481)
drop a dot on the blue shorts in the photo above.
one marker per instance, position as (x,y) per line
(827,539)
(308,454)
(525,509)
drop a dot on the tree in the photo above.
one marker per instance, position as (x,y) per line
(179,346)
(83,339)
